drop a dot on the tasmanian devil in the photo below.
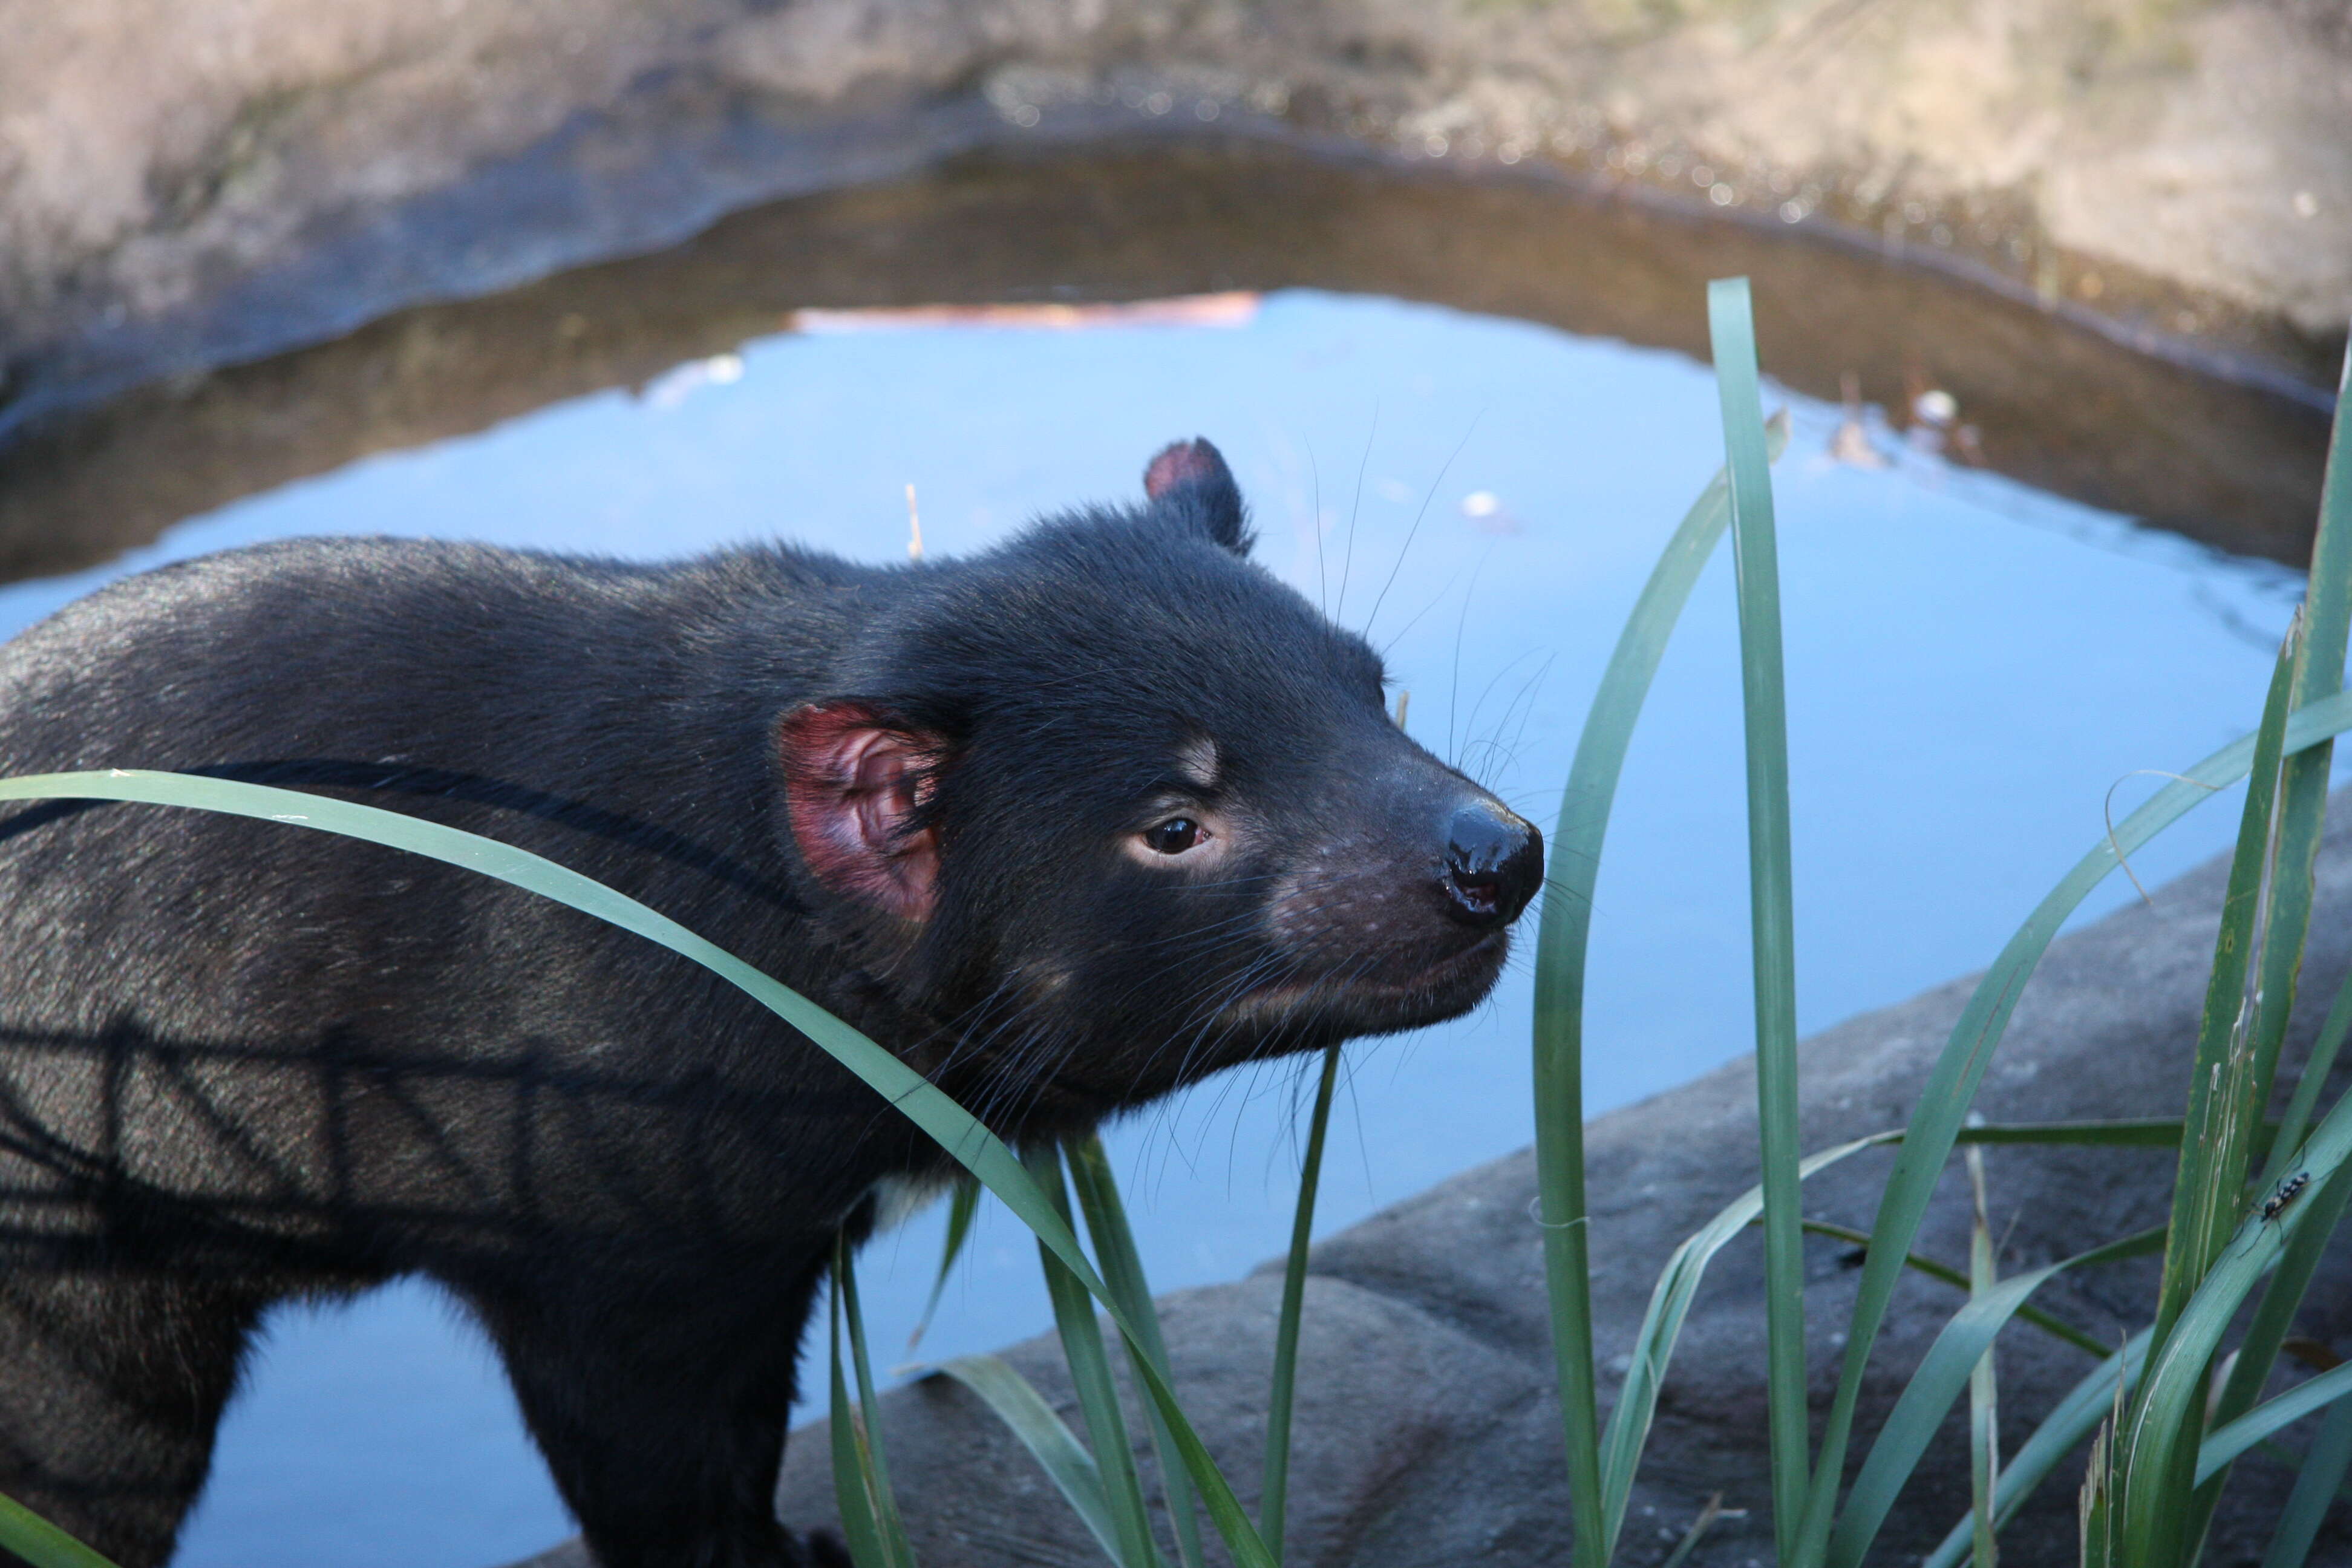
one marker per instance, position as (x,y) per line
(1065,825)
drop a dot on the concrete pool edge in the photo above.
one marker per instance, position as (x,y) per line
(232,184)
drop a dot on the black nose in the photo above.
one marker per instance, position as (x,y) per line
(1494,864)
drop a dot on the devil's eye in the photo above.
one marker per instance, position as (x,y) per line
(1173,836)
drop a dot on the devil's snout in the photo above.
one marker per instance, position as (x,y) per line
(1494,864)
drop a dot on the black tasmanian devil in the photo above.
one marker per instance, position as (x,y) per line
(1064,826)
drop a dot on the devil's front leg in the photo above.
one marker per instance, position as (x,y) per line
(660,1402)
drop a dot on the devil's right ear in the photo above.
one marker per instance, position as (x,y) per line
(1191,480)
(856,782)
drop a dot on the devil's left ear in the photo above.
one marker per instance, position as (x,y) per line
(1190,480)
(856,782)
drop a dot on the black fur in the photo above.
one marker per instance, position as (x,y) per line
(240,1061)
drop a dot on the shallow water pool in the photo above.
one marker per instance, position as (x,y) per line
(1972,666)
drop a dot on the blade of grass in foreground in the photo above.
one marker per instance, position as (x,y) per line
(2312,1393)
(41,1544)
(2164,1421)
(1082,1347)
(1771,904)
(1562,945)
(2084,1406)
(1122,1268)
(861,1485)
(1984,1391)
(1274,1501)
(2324,1465)
(869,1411)
(1049,1441)
(2326,619)
(955,1130)
(963,1203)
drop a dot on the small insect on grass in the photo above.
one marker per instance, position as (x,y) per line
(2288,1191)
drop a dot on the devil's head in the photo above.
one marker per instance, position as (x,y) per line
(1116,808)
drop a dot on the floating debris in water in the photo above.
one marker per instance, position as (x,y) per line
(672,387)
(1850,444)
(1235,308)
(1487,514)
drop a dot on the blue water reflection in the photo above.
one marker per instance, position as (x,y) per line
(1971,666)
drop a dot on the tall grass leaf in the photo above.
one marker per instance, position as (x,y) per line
(2296,1121)
(2163,1517)
(1984,1391)
(2213,1156)
(2301,816)
(2314,1491)
(1122,1269)
(869,1413)
(1274,1501)
(955,1130)
(856,1492)
(2160,1442)
(2227,1443)
(1082,1347)
(1050,1442)
(1771,902)
(1933,1388)
(2060,1431)
(40,1544)
(1960,1069)
(2057,1328)
(1662,1325)
(2282,1293)
(1562,945)
(963,1204)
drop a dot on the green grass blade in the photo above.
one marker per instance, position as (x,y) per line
(2312,1393)
(2163,1518)
(2296,1119)
(1984,1390)
(869,1410)
(1562,946)
(1122,1268)
(1274,1499)
(1960,1069)
(2282,1294)
(1662,1325)
(1052,1444)
(955,1130)
(2085,1405)
(1707,1515)
(40,1544)
(856,1488)
(1772,903)
(2314,1491)
(2057,1328)
(1933,1388)
(1082,1347)
(2161,1437)
(2301,817)
(963,1204)
(2213,1155)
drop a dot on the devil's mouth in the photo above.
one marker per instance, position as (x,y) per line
(1362,1004)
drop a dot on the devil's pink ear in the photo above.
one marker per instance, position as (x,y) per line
(1188,480)
(854,781)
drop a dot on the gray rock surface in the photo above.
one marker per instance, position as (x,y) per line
(185,183)
(1427,1429)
